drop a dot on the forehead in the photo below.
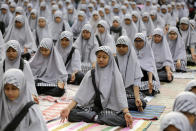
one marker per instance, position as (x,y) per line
(101,53)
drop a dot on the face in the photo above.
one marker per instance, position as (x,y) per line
(184,27)
(123,11)
(45,52)
(12,9)
(134,18)
(107,11)
(101,29)
(18,13)
(70,11)
(122,49)
(29,9)
(171,128)
(43,8)
(42,23)
(86,34)
(127,21)
(148,3)
(4,11)
(53,11)
(133,6)
(18,24)
(163,11)
(11,92)
(80,18)
(90,9)
(115,23)
(191,117)
(172,35)
(145,19)
(153,17)
(65,42)
(139,43)
(11,53)
(115,10)
(102,59)
(101,13)
(193,90)
(58,20)
(95,17)
(33,16)
(157,38)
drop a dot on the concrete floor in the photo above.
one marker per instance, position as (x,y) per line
(166,98)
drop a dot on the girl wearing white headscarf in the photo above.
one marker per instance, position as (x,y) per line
(101,97)
(188,36)
(71,15)
(185,103)
(165,15)
(58,25)
(150,81)
(131,73)
(177,49)
(48,68)
(129,26)
(17,63)
(21,32)
(175,120)
(101,13)
(156,19)
(87,47)
(33,120)
(33,20)
(78,24)
(42,30)
(138,22)
(147,6)
(148,24)
(2,46)
(108,14)
(116,30)
(95,18)
(44,10)
(162,54)
(5,15)
(191,86)
(104,38)
(71,58)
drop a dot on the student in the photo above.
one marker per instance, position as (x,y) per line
(163,57)
(177,49)
(101,97)
(78,24)
(15,95)
(103,36)
(116,30)
(138,22)
(131,73)
(42,30)
(150,81)
(48,69)
(5,15)
(185,103)
(21,32)
(87,44)
(148,24)
(175,121)
(95,18)
(33,20)
(58,25)
(71,58)
(156,19)
(13,60)
(71,15)
(129,26)
(188,36)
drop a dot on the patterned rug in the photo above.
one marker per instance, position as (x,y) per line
(151,112)
(138,125)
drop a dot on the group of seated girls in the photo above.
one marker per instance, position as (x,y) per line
(183,116)
(116,85)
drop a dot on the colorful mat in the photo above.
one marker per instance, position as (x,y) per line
(151,112)
(138,125)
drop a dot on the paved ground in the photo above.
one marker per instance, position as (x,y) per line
(167,97)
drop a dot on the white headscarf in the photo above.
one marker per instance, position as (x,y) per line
(149,25)
(185,102)
(33,120)
(128,64)
(161,51)
(50,69)
(75,62)
(108,81)
(140,25)
(146,57)
(33,22)
(87,47)
(177,47)
(93,22)
(177,120)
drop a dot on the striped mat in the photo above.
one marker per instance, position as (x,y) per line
(151,112)
(138,125)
